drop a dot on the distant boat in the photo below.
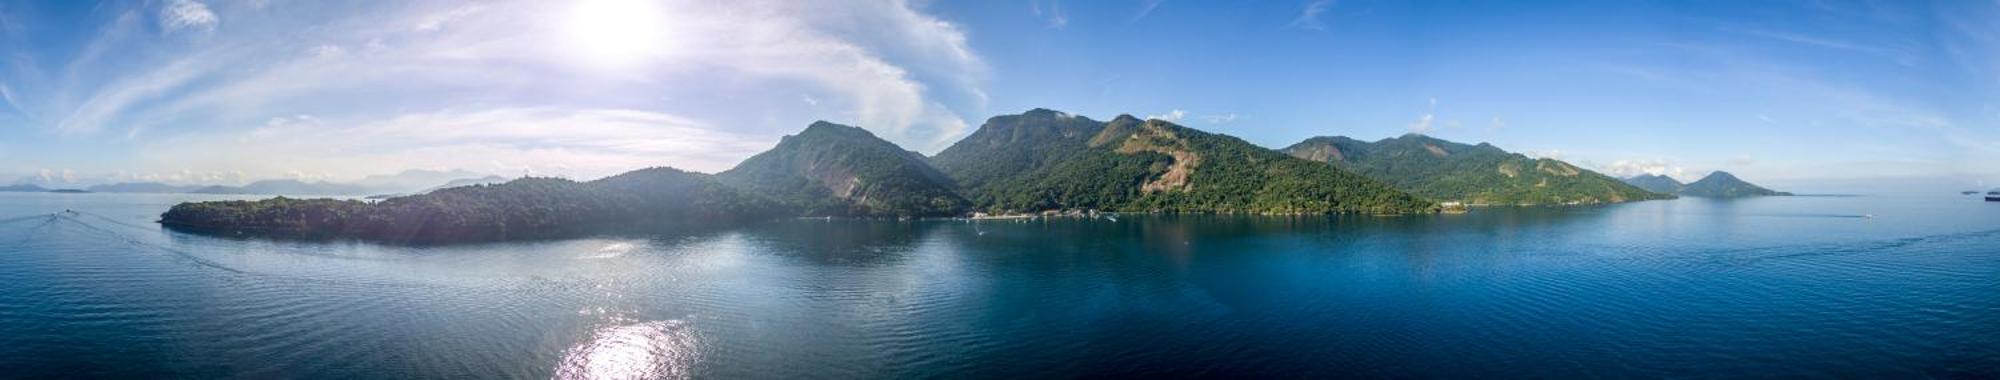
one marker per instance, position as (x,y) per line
(1970,192)
(1993,196)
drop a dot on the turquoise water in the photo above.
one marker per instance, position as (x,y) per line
(1853,287)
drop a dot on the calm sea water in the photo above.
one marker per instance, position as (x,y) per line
(1854,287)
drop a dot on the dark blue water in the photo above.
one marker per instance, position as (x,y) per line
(1857,287)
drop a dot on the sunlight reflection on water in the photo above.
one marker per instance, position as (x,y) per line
(611,250)
(645,350)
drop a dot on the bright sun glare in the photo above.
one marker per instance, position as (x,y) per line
(615,32)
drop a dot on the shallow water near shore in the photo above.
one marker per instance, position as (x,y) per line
(1859,287)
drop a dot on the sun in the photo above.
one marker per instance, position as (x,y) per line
(615,32)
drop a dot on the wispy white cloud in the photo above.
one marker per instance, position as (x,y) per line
(187,14)
(1146,9)
(1171,116)
(1653,166)
(1423,123)
(885,66)
(7,98)
(1222,118)
(1900,55)
(1309,15)
(586,142)
(437,20)
(1051,14)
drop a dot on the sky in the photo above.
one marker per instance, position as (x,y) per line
(1805,95)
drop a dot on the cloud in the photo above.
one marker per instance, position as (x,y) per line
(586,143)
(1902,56)
(1423,123)
(437,21)
(187,14)
(7,97)
(1221,119)
(1553,154)
(1742,160)
(883,65)
(1146,9)
(1171,116)
(1052,15)
(328,51)
(1634,167)
(1497,124)
(1309,16)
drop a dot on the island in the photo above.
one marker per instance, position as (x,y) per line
(1031,163)
(1719,184)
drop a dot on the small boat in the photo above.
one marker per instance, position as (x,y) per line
(1993,196)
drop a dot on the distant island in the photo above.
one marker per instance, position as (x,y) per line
(407,182)
(1030,163)
(1719,184)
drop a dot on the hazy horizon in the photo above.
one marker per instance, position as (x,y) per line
(1801,96)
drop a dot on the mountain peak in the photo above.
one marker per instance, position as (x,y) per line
(826,128)
(1038,111)
(833,169)
(1721,184)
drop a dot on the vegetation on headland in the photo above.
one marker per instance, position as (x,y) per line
(1470,174)
(1048,160)
(526,208)
(836,170)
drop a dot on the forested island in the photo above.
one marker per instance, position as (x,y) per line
(1719,184)
(1041,160)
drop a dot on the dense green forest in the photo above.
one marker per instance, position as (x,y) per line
(1044,160)
(1474,174)
(1656,183)
(527,208)
(837,170)
(1721,184)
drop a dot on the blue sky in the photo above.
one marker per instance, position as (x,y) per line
(1812,95)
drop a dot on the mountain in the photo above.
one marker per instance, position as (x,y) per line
(828,169)
(1048,160)
(1656,183)
(286,187)
(462,182)
(22,189)
(650,200)
(413,181)
(1475,174)
(1721,184)
(142,187)
(836,170)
